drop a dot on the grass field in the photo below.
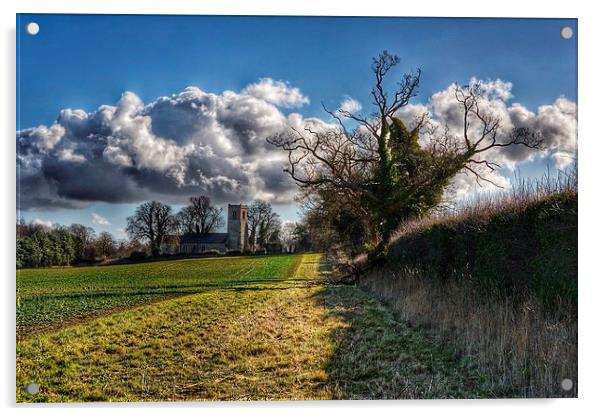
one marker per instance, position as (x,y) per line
(53,297)
(261,328)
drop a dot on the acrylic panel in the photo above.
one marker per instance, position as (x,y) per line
(295,208)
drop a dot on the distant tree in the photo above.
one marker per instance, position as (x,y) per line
(106,245)
(67,244)
(125,248)
(257,211)
(200,215)
(301,237)
(43,246)
(21,252)
(44,243)
(263,223)
(22,229)
(269,230)
(151,222)
(186,220)
(287,236)
(83,237)
(29,253)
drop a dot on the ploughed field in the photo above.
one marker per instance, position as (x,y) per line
(234,328)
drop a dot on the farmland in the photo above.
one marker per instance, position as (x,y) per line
(266,328)
(54,296)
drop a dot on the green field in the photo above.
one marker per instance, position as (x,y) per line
(254,329)
(51,297)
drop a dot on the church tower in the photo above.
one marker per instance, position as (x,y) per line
(238,230)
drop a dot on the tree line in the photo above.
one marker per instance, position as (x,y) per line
(39,245)
(152,225)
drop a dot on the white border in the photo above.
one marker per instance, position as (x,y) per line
(589,231)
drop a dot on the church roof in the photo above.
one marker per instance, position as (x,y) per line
(209,238)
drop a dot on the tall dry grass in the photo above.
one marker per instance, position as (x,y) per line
(520,350)
(521,194)
(522,347)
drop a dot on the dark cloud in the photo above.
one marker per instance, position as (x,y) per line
(193,142)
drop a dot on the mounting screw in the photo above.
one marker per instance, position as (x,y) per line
(33,388)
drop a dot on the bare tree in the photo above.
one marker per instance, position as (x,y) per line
(379,174)
(84,236)
(287,235)
(151,222)
(106,245)
(200,216)
(209,217)
(186,220)
(263,223)
(269,230)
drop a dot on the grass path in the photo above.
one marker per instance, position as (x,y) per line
(287,341)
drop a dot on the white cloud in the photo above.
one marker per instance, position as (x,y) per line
(350,105)
(38,221)
(43,138)
(557,123)
(193,142)
(196,142)
(494,89)
(68,155)
(99,219)
(563,160)
(276,92)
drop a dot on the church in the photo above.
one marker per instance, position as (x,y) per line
(236,237)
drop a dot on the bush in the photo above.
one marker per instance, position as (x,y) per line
(516,252)
(138,255)
(233,253)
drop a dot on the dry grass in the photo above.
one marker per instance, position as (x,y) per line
(483,206)
(523,345)
(521,351)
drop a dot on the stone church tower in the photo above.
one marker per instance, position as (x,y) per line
(238,230)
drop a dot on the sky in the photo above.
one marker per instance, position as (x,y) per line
(116,110)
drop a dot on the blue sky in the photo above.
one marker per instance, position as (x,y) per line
(83,61)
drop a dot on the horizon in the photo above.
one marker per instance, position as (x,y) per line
(266,71)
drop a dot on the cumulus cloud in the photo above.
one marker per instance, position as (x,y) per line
(557,123)
(38,221)
(193,142)
(276,92)
(99,219)
(69,156)
(197,142)
(350,105)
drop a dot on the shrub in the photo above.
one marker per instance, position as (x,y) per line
(516,245)
(138,255)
